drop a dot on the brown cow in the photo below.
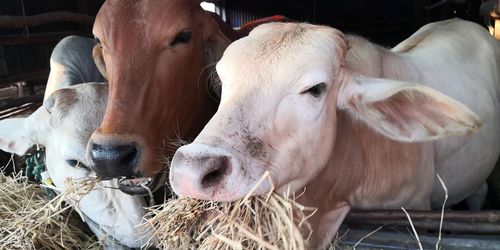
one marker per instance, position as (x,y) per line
(155,56)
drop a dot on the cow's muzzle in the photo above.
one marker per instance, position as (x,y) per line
(211,173)
(124,159)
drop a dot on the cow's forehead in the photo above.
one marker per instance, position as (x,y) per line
(81,93)
(140,26)
(279,53)
(142,9)
(79,104)
(118,17)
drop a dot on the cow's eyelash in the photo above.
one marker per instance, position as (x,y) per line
(76,164)
(316,90)
(182,37)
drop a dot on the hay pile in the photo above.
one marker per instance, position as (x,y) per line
(255,222)
(28,220)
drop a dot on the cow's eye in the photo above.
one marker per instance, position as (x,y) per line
(316,90)
(76,164)
(72,163)
(182,37)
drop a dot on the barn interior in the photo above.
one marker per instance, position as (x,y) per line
(29,30)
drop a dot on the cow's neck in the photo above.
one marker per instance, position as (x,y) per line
(368,170)
(366,58)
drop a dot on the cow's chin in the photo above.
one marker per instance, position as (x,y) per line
(141,185)
(230,190)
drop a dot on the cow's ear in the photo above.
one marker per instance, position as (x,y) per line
(14,137)
(99,60)
(17,135)
(218,35)
(404,111)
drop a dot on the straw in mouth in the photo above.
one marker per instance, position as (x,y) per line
(139,185)
(270,221)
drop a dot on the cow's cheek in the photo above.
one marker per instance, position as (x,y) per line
(290,149)
(316,143)
(285,122)
(56,169)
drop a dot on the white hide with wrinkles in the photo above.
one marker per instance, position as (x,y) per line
(374,139)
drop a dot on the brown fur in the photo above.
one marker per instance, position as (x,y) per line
(157,92)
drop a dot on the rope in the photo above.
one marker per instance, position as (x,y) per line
(35,169)
(26,30)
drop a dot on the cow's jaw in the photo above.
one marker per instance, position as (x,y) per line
(115,213)
(141,185)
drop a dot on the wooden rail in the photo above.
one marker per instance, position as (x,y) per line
(45,18)
(394,239)
(18,102)
(36,75)
(37,37)
(481,222)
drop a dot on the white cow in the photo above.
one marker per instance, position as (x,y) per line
(63,125)
(355,124)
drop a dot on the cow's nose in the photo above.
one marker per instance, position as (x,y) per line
(110,161)
(200,174)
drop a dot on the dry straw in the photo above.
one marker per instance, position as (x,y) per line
(28,220)
(255,222)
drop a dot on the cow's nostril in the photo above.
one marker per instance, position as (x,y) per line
(129,156)
(212,178)
(114,160)
(221,167)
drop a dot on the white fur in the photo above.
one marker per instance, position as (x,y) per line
(113,215)
(378,135)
